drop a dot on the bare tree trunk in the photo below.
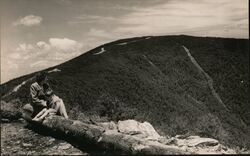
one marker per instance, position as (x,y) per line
(108,139)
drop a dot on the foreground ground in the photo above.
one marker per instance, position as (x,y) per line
(18,139)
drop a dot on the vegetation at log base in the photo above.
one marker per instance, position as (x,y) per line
(154,80)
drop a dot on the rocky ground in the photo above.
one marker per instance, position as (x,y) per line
(19,139)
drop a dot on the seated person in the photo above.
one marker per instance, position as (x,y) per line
(38,99)
(55,105)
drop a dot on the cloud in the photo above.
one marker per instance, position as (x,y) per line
(18,55)
(95,17)
(83,19)
(175,17)
(24,47)
(65,44)
(43,45)
(30,20)
(40,63)
(15,55)
(93,32)
(22,51)
(45,54)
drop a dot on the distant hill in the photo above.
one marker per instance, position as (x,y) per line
(152,78)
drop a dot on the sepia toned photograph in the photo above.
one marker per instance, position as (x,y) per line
(124,77)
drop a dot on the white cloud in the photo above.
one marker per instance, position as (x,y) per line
(95,17)
(43,45)
(30,20)
(65,44)
(83,19)
(22,51)
(175,17)
(15,55)
(56,46)
(45,54)
(99,33)
(40,63)
(23,47)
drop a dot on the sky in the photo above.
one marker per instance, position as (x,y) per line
(37,34)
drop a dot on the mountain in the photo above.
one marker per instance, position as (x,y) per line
(180,84)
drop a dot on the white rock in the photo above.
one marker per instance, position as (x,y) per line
(149,130)
(64,146)
(108,125)
(51,140)
(54,70)
(27,145)
(143,130)
(193,141)
(129,127)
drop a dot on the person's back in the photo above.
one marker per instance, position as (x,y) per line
(36,92)
(38,99)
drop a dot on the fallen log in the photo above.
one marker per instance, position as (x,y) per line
(108,139)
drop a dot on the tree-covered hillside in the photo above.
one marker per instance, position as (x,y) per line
(153,79)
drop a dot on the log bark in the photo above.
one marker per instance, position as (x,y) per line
(108,139)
